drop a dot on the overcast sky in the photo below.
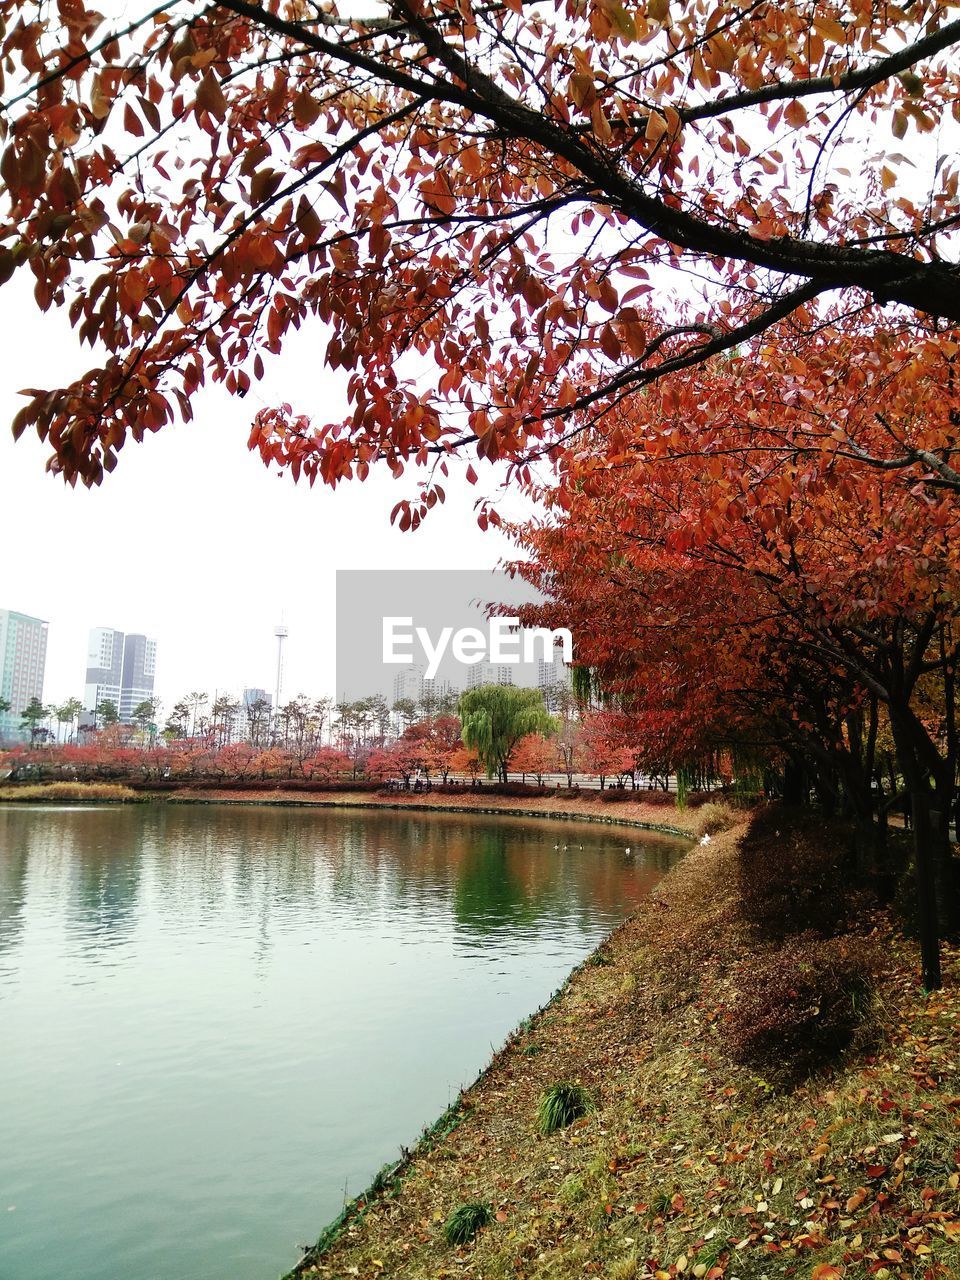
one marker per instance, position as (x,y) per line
(192,540)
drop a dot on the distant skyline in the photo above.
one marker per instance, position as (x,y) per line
(192,541)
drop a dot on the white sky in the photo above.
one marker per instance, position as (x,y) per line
(192,540)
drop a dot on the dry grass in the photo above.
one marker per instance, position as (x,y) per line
(70,791)
(715,816)
(554,805)
(691,1165)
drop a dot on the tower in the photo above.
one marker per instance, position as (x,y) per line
(281,633)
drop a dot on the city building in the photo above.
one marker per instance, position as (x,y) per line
(553,677)
(408,684)
(120,669)
(552,672)
(139,670)
(104,671)
(23,656)
(480,673)
(433,692)
(246,726)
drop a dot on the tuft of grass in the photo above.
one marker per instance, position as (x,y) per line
(70,791)
(572,1189)
(465,1221)
(561,1104)
(715,816)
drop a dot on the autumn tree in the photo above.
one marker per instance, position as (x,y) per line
(326,764)
(466,763)
(765,586)
(196,182)
(536,755)
(604,748)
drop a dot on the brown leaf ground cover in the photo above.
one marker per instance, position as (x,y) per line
(694,1163)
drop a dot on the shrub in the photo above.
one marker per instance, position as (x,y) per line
(617,795)
(465,1221)
(714,817)
(661,799)
(798,1008)
(793,877)
(561,1104)
(697,799)
(516,789)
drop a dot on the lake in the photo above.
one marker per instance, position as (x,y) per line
(217,1022)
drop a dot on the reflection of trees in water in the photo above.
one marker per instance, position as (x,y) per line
(105,865)
(85,862)
(489,894)
(268,865)
(14,857)
(206,859)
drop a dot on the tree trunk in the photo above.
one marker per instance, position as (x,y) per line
(926,889)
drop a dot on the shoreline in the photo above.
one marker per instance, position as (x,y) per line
(387,1182)
(695,1161)
(639,816)
(635,815)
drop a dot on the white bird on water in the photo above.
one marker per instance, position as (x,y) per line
(627,852)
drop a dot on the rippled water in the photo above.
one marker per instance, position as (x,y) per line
(216,1023)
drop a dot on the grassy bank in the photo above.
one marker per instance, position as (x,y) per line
(712,1150)
(557,806)
(72,792)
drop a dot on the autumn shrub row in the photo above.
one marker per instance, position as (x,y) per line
(517,790)
(260,785)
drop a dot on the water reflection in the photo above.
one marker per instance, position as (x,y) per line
(215,1018)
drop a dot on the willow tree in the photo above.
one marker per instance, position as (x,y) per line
(496,717)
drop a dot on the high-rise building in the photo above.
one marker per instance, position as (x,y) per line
(553,677)
(120,669)
(250,696)
(139,670)
(479,673)
(23,655)
(104,671)
(433,692)
(247,726)
(408,684)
